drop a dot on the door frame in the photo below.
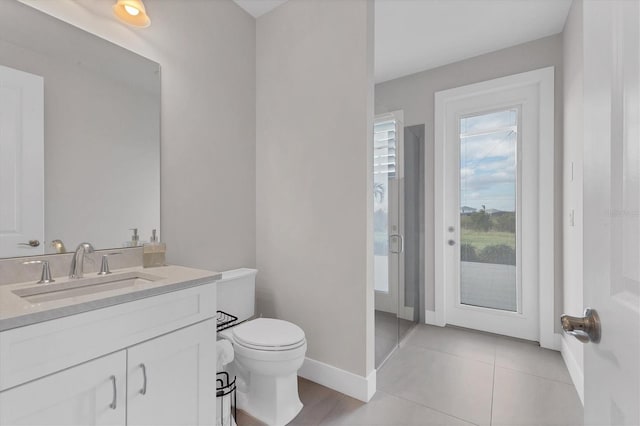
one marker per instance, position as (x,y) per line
(29,205)
(544,79)
(390,301)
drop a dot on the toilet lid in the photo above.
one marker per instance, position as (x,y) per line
(268,334)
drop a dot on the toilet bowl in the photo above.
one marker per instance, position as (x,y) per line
(267,354)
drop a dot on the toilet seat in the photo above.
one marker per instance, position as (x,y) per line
(270,348)
(268,334)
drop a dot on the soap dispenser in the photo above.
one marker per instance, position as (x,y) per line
(135,238)
(59,247)
(154,252)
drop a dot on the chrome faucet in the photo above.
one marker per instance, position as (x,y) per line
(77,263)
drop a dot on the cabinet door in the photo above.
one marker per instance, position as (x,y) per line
(92,393)
(172,379)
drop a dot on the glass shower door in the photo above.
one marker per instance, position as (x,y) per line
(388,239)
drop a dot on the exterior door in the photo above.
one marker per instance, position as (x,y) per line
(612,209)
(21,163)
(92,393)
(171,379)
(487,204)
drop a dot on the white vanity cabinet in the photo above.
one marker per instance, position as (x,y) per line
(171,379)
(147,362)
(92,393)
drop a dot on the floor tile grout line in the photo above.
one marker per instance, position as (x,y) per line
(391,356)
(494,363)
(497,347)
(536,375)
(387,358)
(335,406)
(450,353)
(493,390)
(426,406)
(401,343)
(405,339)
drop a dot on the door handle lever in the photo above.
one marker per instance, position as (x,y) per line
(586,328)
(400,241)
(31,243)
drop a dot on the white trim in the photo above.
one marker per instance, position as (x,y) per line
(576,373)
(439,206)
(431,317)
(555,343)
(353,385)
(546,206)
(544,79)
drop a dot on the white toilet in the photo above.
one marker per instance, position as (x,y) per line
(267,353)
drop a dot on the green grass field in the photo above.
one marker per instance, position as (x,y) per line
(480,239)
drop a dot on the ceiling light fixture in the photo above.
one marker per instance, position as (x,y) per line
(132,12)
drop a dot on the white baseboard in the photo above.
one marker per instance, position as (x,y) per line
(359,387)
(576,373)
(430,318)
(551,340)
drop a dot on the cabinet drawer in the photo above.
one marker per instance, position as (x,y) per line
(34,351)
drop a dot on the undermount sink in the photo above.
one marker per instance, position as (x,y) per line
(84,286)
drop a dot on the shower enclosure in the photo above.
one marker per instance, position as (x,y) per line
(398,209)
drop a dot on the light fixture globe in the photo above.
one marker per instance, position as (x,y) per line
(132,12)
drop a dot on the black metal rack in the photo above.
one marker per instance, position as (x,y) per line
(225,320)
(226,393)
(225,385)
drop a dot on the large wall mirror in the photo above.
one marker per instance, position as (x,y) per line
(79,137)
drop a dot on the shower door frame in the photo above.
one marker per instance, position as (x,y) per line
(393,300)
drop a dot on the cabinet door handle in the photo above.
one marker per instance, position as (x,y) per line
(143,391)
(115,393)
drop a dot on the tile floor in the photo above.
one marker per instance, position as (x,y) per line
(451,376)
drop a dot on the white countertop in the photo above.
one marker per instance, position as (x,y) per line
(16,311)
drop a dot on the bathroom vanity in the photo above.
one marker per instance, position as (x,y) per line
(133,347)
(140,350)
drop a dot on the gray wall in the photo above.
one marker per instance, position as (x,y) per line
(207,56)
(414,94)
(414,219)
(314,175)
(573,185)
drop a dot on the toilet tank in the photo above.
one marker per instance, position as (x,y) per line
(236,292)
